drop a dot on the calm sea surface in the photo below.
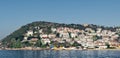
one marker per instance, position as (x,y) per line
(60,54)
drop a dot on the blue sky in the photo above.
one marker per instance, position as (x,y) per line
(15,13)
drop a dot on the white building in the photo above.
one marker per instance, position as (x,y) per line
(53,29)
(43,35)
(29,33)
(99,30)
(40,31)
(45,41)
(25,38)
(65,35)
(51,35)
(73,35)
(102,47)
(90,44)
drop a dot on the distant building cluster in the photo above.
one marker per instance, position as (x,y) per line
(87,38)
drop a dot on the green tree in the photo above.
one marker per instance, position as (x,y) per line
(95,38)
(15,44)
(18,44)
(107,44)
(58,35)
(26,44)
(75,44)
(38,43)
(12,43)
(69,34)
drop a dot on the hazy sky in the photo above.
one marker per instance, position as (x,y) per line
(15,13)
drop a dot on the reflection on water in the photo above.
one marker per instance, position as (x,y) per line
(60,54)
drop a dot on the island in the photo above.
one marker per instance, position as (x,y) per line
(43,35)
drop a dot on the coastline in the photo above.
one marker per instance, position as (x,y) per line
(54,49)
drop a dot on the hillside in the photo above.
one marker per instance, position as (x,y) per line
(42,24)
(20,34)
